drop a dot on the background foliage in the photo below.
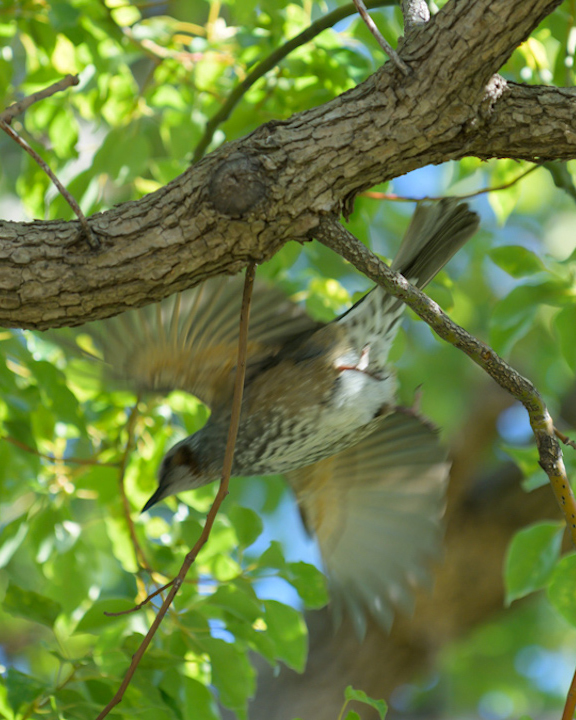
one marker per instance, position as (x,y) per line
(151,75)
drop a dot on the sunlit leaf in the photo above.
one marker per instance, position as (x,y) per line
(360,696)
(288,631)
(531,557)
(309,582)
(31,605)
(516,260)
(232,674)
(95,620)
(561,588)
(247,524)
(22,689)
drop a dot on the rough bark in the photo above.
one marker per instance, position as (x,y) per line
(249,197)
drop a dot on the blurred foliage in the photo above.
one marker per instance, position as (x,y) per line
(151,75)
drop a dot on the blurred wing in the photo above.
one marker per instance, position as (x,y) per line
(190,340)
(376,511)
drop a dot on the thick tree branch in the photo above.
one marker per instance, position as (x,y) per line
(242,202)
(528,122)
(332,234)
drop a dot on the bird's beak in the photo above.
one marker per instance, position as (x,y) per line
(158,495)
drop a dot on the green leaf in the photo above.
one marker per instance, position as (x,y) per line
(30,605)
(562,588)
(531,557)
(240,602)
(516,260)
(503,202)
(360,696)
(12,537)
(232,674)
(247,524)
(199,703)
(514,315)
(95,620)
(562,177)
(257,639)
(288,631)
(565,322)
(526,458)
(309,582)
(272,557)
(352,715)
(22,689)
(326,298)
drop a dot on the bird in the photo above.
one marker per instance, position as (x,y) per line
(319,407)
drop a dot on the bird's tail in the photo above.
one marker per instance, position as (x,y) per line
(435,234)
(437,231)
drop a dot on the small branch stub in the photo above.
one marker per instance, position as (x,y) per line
(237,186)
(415,13)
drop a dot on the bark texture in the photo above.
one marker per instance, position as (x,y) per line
(249,197)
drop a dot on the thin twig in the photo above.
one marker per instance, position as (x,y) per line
(90,237)
(56,460)
(564,438)
(380,39)
(159,53)
(570,705)
(140,605)
(138,552)
(374,195)
(222,490)
(331,233)
(270,62)
(19,107)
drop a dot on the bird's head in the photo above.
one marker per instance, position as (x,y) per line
(180,470)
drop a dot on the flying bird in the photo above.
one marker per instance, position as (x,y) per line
(319,407)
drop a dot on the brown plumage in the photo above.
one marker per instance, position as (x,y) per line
(319,405)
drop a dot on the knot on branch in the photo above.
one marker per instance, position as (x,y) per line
(237,185)
(493,91)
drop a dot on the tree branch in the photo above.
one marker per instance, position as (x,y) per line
(332,234)
(218,500)
(381,40)
(248,198)
(271,62)
(528,122)
(19,107)
(89,234)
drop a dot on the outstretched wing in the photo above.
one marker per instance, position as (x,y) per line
(376,511)
(189,341)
